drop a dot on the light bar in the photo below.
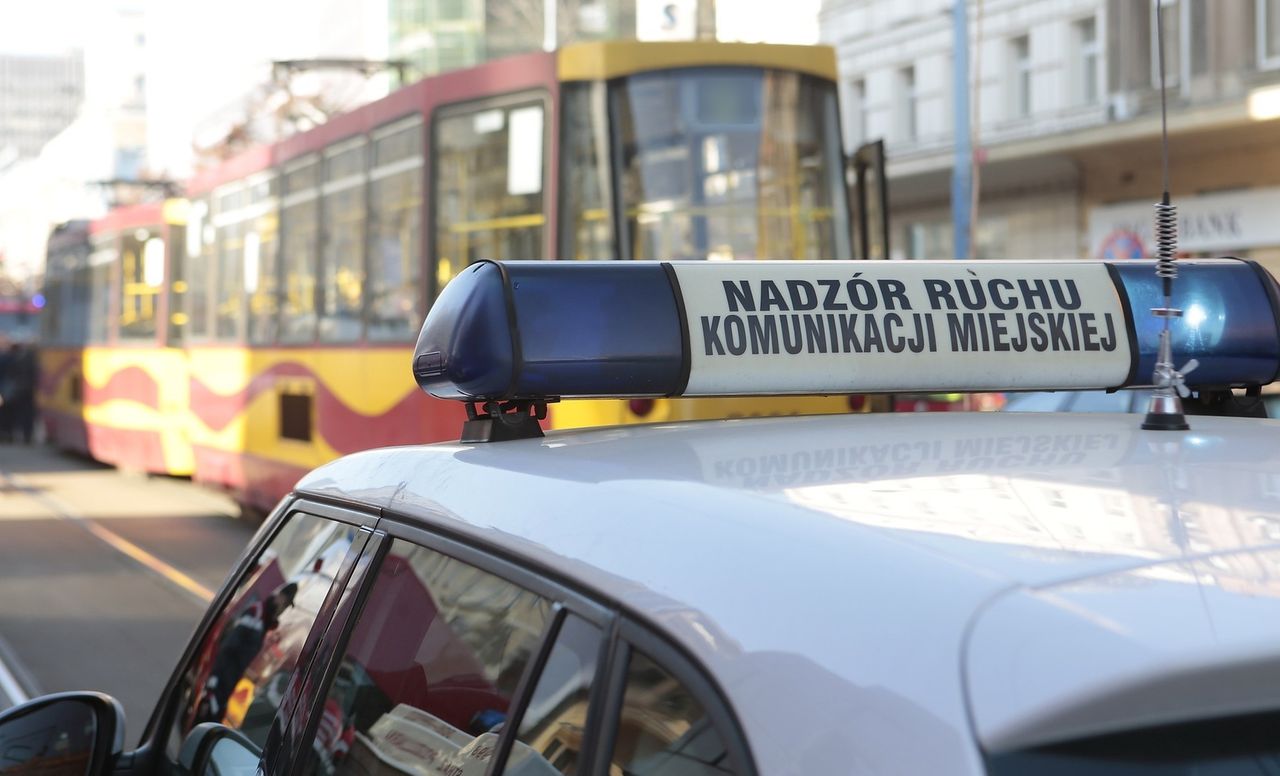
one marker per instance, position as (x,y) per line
(533,330)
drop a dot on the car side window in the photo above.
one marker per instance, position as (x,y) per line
(241,669)
(430,669)
(554,722)
(663,729)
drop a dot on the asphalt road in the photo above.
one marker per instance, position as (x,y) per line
(103,575)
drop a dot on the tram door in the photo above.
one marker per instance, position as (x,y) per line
(868,201)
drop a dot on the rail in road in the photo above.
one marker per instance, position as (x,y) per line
(103,575)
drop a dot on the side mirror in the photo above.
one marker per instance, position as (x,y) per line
(211,749)
(64,734)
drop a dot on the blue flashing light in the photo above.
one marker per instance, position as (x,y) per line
(37,301)
(1229,321)
(535,330)
(546,329)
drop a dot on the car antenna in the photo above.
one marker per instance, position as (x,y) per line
(1164,411)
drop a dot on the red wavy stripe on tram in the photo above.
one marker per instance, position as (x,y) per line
(128,447)
(131,383)
(414,419)
(252,480)
(216,410)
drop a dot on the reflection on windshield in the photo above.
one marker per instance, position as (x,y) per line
(725,164)
(712,163)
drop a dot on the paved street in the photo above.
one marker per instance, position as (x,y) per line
(103,575)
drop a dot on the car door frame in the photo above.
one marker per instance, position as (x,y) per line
(147,758)
(621,631)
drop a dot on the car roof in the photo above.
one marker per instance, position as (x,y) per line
(880,571)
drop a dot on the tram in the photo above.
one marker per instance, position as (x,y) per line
(113,378)
(295,283)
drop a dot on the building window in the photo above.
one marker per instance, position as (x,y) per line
(858,111)
(908,104)
(1168,11)
(1087,53)
(1186,41)
(1268,33)
(1019,77)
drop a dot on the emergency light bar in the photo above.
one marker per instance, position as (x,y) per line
(533,331)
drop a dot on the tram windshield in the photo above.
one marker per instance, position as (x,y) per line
(705,163)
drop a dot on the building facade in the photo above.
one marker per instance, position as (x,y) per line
(1065,120)
(39,97)
(434,36)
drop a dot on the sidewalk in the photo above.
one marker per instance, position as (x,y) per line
(96,491)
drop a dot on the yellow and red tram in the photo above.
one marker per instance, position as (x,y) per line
(305,268)
(113,372)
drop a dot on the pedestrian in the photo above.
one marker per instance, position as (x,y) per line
(238,647)
(6,411)
(22,372)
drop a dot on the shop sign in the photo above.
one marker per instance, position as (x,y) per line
(1210,223)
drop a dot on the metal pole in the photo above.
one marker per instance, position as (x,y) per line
(962,171)
(549,21)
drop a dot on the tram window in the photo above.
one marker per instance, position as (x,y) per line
(141,278)
(586,229)
(341,290)
(395,235)
(78,304)
(261,262)
(199,271)
(49,319)
(228,312)
(490,169)
(99,281)
(176,287)
(299,233)
(65,287)
(729,163)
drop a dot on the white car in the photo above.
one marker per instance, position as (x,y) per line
(956,593)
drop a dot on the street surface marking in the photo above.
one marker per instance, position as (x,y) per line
(9,684)
(114,540)
(204,594)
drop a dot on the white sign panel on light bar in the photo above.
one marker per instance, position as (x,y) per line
(802,327)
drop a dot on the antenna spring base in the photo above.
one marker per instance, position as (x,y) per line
(1166,239)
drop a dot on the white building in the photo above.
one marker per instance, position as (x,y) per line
(1040,72)
(39,96)
(1065,117)
(102,139)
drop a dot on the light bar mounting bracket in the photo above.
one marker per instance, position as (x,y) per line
(504,421)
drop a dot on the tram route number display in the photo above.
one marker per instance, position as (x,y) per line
(925,326)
